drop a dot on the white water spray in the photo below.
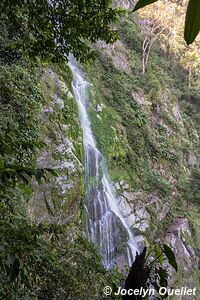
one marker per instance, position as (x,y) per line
(103,212)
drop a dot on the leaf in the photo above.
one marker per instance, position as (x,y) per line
(192,21)
(1,163)
(13,267)
(163,277)
(52,172)
(14,272)
(170,256)
(158,253)
(7,170)
(22,276)
(13,180)
(143,3)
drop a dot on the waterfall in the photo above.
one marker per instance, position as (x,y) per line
(102,209)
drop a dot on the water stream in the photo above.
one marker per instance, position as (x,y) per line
(104,218)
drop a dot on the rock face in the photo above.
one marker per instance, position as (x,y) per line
(185,254)
(58,200)
(148,141)
(160,147)
(137,208)
(117,53)
(175,237)
(141,211)
(138,97)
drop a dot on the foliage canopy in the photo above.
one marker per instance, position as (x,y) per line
(52,29)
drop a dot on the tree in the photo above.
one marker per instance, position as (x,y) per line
(191,61)
(153,28)
(192,19)
(165,22)
(158,22)
(52,29)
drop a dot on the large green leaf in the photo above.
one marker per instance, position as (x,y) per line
(163,277)
(143,3)
(192,21)
(170,256)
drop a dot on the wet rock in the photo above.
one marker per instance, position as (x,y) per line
(142,226)
(138,208)
(122,182)
(129,195)
(99,107)
(180,225)
(139,239)
(127,210)
(141,213)
(117,186)
(69,94)
(126,186)
(121,261)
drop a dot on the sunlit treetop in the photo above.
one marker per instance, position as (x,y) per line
(192,19)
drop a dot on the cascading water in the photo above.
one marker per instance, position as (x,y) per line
(103,213)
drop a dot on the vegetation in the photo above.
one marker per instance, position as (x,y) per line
(192,20)
(38,260)
(190,188)
(146,128)
(154,120)
(146,275)
(50,30)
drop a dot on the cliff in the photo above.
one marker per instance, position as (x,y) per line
(146,125)
(145,119)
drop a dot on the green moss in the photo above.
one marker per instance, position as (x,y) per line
(118,173)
